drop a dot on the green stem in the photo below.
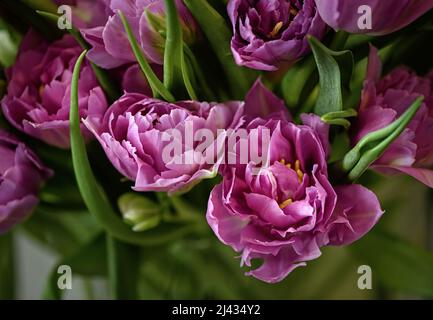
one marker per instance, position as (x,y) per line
(155,84)
(7,276)
(88,289)
(123,267)
(173,54)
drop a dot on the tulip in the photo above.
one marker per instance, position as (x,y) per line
(270,33)
(22,175)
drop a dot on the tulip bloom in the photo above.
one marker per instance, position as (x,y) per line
(133,133)
(39,86)
(383,101)
(268,33)
(286,213)
(110,45)
(21,176)
(383,16)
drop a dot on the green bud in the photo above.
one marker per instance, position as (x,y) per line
(139,212)
(351,158)
(339,117)
(383,139)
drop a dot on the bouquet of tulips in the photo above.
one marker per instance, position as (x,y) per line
(209,148)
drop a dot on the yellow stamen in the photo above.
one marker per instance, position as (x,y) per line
(41,89)
(300,175)
(276,29)
(286,203)
(297,168)
(297,165)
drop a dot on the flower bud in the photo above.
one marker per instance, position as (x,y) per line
(139,212)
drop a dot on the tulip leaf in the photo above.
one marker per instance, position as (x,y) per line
(95,197)
(396,264)
(48,6)
(156,85)
(339,117)
(335,70)
(219,35)
(298,82)
(9,39)
(7,283)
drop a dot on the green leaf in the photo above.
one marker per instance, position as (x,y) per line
(298,82)
(397,265)
(94,196)
(9,48)
(332,78)
(7,277)
(86,260)
(339,117)
(154,82)
(45,5)
(219,35)
(110,89)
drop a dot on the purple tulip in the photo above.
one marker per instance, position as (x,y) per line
(386,16)
(382,102)
(21,176)
(286,213)
(268,33)
(39,86)
(133,133)
(110,45)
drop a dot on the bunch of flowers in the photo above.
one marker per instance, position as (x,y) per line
(269,113)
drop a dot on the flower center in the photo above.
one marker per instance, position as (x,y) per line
(277,28)
(297,169)
(286,203)
(41,89)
